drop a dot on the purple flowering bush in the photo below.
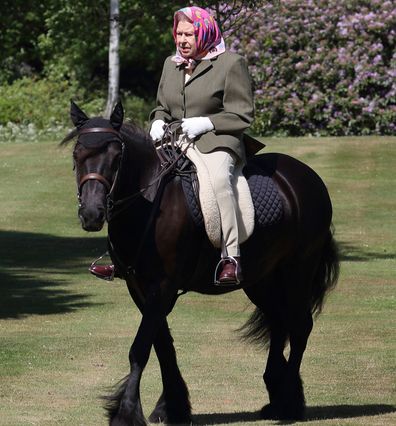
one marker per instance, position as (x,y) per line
(322,67)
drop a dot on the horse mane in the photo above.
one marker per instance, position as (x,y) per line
(132,132)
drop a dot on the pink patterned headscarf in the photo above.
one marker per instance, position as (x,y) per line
(210,42)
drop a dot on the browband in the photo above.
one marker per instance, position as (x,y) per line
(99,130)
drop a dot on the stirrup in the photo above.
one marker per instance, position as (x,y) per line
(93,264)
(217,273)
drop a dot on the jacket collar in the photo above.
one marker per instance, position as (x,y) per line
(201,68)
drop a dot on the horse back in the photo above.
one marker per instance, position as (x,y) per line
(306,201)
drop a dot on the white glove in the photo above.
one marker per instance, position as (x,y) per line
(157,130)
(195,126)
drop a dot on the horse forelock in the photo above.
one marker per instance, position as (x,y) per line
(69,137)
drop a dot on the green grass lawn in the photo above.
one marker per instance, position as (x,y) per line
(65,336)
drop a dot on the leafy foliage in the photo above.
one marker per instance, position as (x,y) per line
(319,67)
(30,100)
(21,23)
(323,67)
(30,107)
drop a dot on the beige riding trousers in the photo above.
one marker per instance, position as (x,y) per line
(220,165)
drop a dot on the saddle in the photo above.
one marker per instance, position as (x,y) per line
(267,203)
(259,202)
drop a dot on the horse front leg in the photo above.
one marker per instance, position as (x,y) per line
(126,409)
(173,405)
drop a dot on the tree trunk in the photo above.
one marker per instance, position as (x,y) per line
(114,58)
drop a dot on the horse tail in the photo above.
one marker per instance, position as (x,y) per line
(326,276)
(256,329)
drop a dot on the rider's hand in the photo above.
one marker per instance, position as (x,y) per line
(157,130)
(195,126)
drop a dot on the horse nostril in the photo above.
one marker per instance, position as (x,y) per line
(92,218)
(101,215)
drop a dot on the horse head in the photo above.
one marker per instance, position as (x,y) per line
(97,156)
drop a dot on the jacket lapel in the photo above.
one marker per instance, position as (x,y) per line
(202,67)
(179,72)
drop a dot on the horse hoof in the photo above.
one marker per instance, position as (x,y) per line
(268,412)
(155,419)
(159,415)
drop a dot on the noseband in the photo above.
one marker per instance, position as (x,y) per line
(96,176)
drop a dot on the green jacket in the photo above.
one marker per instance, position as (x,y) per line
(220,89)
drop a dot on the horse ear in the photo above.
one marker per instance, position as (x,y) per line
(117,116)
(78,117)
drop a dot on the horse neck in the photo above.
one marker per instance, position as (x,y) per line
(140,167)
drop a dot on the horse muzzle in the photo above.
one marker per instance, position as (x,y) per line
(92,218)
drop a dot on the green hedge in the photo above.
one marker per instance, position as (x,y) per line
(41,102)
(30,106)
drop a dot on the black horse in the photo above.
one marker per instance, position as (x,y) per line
(160,252)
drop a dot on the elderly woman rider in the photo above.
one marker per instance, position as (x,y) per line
(209,89)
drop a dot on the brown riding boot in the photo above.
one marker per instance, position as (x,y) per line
(231,272)
(104,272)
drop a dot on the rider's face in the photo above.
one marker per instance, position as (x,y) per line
(185,39)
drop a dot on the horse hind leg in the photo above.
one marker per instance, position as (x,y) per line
(298,279)
(267,325)
(309,282)
(294,400)
(282,377)
(284,310)
(274,374)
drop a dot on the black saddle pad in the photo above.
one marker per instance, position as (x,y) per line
(268,206)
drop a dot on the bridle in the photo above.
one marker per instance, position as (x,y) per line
(96,176)
(168,160)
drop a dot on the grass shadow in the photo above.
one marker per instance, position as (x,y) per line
(312,413)
(352,253)
(224,418)
(347,411)
(27,259)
